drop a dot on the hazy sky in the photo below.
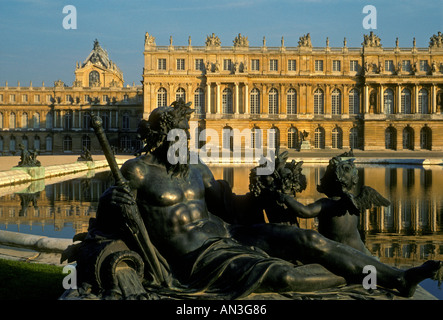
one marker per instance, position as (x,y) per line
(35,47)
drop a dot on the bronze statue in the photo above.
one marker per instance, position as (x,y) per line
(28,158)
(181,246)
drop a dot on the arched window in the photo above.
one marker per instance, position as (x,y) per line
(318,102)
(337,138)
(319,138)
(255,101)
(36,120)
(49,120)
(86,142)
(273,101)
(180,94)
(336,102)
(423,101)
(353,138)
(426,138)
(24,120)
(199,101)
(12,143)
(354,102)
(273,138)
(67,144)
(256,138)
(48,142)
(125,120)
(405,107)
(388,101)
(292,138)
(94,78)
(391,138)
(408,138)
(291,101)
(227,101)
(228,138)
(36,143)
(67,120)
(12,120)
(162,97)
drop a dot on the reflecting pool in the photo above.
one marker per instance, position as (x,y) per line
(404,234)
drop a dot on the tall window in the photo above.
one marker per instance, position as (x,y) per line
(424,65)
(426,138)
(291,101)
(255,65)
(199,65)
(67,120)
(12,120)
(180,94)
(227,101)
(318,102)
(408,138)
(336,102)
(353,65)
(406,65)
(161,64)
(24,120)
(336,65)
(199,101)
(273,138)
(48,142)
(227,64)
(405,101)
(228,138)
(389,65)
(36,120)
(255,101)
(423,101)
(256,138)
(353,138)
(273,65)
(292,65)
(12,143)
(319,138)
(161,97)
(391,138)
(180,64)
(67,144)
(292,138)
(388,101)
(337,138)
(125,121)
(94,78)
(354,102)
(49,120)
(273,101)
(86,142)
(318,65)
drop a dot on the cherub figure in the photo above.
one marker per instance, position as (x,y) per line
(338,214)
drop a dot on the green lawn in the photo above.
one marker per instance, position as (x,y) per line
(30,281)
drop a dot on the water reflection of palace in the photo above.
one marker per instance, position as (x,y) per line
(410,229)
(68,202)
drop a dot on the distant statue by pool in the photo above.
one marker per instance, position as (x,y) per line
(28,158)
(85,155)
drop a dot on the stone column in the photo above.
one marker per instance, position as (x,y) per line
(366,101)
(246,99)
(434,98)
(236,99)
(208,97)
(415,106)
(398,99)
(382,107)
(218,105)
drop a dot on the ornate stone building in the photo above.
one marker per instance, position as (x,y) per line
(55,119)
(369,97)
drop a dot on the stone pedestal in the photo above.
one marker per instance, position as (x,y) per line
(35,173)
(305,145)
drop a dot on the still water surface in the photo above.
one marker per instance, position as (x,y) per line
(404,234)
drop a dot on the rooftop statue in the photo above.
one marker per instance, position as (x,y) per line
(213,40)
(160,231)
(305,41)
(371,40)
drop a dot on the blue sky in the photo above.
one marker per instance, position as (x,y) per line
(35,47)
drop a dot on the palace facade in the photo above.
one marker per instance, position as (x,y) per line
(368,97)
(55,119)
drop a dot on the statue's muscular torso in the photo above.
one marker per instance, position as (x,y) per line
(173,208)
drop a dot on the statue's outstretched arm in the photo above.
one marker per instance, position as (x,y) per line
(306,211)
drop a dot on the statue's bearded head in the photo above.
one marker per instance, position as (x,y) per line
(154,131)
(340,176)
